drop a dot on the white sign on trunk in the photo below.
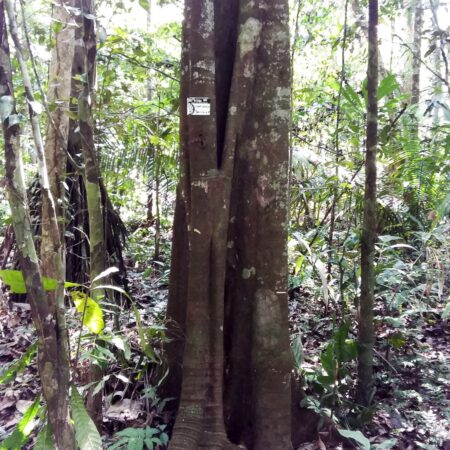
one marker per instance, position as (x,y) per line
(198,106)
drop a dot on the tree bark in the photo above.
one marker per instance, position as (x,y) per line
(363,25)
(417,47)
(53,211)
(53,352)
(231,228)
(369,234)
(83,88)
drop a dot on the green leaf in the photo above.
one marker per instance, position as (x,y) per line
(297,351)
(145,4)
(352,96)
(6,106)
(397,340)
(430,50)
(356,436)
(149,443)
(298,264)
(120,343)
(23,429)
(345,349)
(14,279)
(446,312)
(44,440)
(350,350)
(339,341)
(387,86)
(86,433)
(93,314)
(18,366)
(16,282)
(328,361)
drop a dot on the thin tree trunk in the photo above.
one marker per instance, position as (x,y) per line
(53,361)
(442,46)
(53,211)
(338,151)
(151,148)
(157,215)
(84,69)
(369,234)
(417,46)
(362,23)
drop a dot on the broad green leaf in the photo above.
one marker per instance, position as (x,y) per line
(345,349)
(352,96)
(26,425)
(357,436)
(350,350)
(44,440)
(339,340)
(69,284)
(16,282)
(14,279)
(16,367)
(328,361)
(86,433)
(387,86)
(298,264)
(93,314)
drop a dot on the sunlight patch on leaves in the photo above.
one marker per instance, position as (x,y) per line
(91,311)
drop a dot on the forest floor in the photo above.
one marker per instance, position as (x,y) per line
(412,401)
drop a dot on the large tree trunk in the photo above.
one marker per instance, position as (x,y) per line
(53,351)
(369,234)
(230,298)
